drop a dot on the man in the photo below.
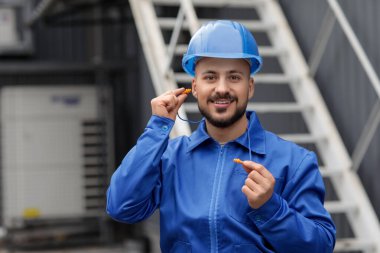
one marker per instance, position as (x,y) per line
(272,202)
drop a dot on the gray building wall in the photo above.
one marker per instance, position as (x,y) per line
(340,77)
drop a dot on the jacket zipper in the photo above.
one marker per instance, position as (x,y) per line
(214,206)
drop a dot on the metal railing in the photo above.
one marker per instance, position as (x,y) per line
(186,10)
(335,14)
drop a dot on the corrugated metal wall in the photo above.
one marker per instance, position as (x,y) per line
(341,79)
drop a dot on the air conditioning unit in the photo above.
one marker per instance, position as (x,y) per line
(15,35)
(53,153)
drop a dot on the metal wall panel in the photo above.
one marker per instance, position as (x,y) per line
(340,77)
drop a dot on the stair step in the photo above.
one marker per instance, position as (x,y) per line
(183,78)
(330,172)
(213,3)
(300,138)
(259,78)
(275,107)
(272,79)
(253,25)
(352,244)
(257,107)
(340,207)
(265,51)
(180,49)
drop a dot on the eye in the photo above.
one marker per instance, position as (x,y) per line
(235,78)
(209,77)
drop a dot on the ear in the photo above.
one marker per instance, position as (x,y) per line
(251,89)
(194,87)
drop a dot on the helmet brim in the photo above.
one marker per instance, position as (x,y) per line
(189,61)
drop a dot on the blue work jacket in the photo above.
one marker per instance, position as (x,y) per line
(197,187)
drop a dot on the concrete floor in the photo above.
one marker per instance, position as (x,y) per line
(120,249)
(150,228)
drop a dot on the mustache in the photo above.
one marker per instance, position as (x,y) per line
(218,96)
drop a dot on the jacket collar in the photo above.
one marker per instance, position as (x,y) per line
(255,131)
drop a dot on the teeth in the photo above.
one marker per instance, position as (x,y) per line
(222,102)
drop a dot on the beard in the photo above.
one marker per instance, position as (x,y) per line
(223,123)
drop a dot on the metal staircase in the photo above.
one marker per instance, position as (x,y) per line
(165,26)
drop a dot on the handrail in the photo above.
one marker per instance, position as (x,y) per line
(191,16)
(374,120)
(174,38)
(186,10)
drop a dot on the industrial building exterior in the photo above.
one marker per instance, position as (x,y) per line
(76,85)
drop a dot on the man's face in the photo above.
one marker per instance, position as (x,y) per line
(223,88)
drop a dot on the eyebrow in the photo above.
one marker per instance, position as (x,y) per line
(229,72)
(208,72)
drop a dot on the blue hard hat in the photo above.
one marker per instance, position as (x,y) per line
(222,39)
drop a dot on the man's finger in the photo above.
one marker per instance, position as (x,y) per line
(247,169)
(249,166)
(181,99)
(251,184)
(178,92)
(170,101)
(256,176)
(175,91)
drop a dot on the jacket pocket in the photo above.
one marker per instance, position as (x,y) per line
(238,206)
(181,247)
(246,248)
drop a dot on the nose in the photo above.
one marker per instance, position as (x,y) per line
(222,86)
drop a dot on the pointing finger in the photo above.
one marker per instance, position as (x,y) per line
(249,166)
(259,168)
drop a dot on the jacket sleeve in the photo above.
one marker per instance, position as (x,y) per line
(297,221)
(134,190)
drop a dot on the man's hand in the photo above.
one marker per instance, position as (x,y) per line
(167,104)
(259,185)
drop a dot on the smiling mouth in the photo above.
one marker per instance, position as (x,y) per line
(221,105)
(223,101)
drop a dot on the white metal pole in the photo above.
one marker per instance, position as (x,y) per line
(174,38)
(363,58)
(321,42)
(191,16)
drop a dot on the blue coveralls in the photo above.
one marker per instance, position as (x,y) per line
(197,187)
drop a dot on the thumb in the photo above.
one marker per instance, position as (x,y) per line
(248,166)
(181,99)
(247,169)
